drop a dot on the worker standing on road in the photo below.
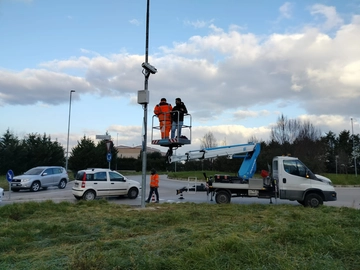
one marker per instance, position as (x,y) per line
(154,185)
(178,117)
(163,112)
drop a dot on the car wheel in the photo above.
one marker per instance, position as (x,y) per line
(313,200)
(77,197)
(133,193)
(62,184)
(89,195)
(35,186)
(222,197)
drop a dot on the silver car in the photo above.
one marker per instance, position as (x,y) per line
(41,177)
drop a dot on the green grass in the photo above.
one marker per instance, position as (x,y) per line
(102,235)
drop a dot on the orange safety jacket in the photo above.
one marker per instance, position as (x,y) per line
(154,180)
(162,110)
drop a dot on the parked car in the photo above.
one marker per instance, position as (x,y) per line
(41,177)
(2,194)
(92,183)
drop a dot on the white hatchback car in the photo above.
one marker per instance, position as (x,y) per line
(92,183)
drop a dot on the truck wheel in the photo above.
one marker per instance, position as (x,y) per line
(301,202)
(313,200)
(222,197)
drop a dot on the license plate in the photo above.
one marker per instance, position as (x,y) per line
(13,184)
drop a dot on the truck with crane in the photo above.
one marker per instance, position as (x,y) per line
(288,179)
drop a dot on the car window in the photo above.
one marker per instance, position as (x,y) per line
(100,176)
(48,171)
(57,170)
(79,175)
(34,171)
(116,177)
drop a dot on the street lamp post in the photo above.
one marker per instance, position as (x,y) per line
(144,100)
(354,154)
(336,161)
(117,145)
(68,134)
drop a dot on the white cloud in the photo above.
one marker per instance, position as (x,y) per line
(286,10)
(198,23)
(332,19)
(243,114)
(134,22)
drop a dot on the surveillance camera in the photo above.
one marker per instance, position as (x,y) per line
(149,67)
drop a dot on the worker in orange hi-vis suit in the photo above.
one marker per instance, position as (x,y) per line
(163,112)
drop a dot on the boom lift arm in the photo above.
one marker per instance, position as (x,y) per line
(249,152)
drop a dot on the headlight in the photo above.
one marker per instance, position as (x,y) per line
(24,180)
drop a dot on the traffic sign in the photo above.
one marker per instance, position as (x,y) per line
(9,175)
(103,137)
(108,157)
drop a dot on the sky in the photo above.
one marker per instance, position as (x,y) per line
(237,66)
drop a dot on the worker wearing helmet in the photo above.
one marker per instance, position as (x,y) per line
(163,112)
(154,185)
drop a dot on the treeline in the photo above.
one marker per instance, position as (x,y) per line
(328,153)
(34,150)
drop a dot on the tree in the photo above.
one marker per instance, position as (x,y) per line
(285,131)
(33,150)
(10,153)
(84,155)
(208,140)
(40,151)
(331,151)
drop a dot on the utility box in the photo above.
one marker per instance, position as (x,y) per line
(143,96)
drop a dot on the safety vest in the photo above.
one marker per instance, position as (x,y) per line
(154,180)
(163,110)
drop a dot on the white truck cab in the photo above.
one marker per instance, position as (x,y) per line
(296,182)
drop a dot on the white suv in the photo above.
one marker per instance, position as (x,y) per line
(92,183)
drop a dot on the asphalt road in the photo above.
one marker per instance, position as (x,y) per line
(347,196)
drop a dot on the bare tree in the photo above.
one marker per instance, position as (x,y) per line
(308,131)
(285,131)
(208,140)
(253,139)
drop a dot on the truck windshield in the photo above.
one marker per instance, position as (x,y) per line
(295,167)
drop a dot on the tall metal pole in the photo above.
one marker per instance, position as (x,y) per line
(143,183)
(117,145)
(352,128)
(68,134)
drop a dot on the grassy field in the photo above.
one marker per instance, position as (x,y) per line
(102,235)
(337,179)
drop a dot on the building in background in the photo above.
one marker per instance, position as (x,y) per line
(134,151)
